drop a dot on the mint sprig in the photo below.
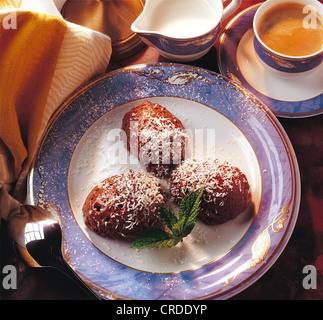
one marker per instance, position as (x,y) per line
(177,228)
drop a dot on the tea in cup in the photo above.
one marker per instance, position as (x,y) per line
(182,30)
(289,36)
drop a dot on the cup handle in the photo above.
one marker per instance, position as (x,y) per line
(231,8)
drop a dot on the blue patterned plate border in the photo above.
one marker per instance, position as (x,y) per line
(228,47)
(280,179)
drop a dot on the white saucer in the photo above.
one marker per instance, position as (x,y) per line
(292,98)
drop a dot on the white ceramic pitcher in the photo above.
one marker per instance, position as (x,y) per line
(182,30)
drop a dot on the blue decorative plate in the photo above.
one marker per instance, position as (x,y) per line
(290,98)
(83,145)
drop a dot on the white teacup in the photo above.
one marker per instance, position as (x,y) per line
(287,65)
(182,30)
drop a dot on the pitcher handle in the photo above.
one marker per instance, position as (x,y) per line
(231,8)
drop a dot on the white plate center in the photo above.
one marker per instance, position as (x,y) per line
(99,154)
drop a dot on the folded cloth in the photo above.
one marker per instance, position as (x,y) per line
(45,6)
(43,59)
(9,4)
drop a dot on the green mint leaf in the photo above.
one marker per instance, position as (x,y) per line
(188,229)
(168,217)
(179,227)
(162,243)
(152,238)
(192,205)
(167,243)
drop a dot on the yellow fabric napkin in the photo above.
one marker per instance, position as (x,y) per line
(43,59)
(9,4)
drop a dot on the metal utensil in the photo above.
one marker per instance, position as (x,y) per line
(43,241)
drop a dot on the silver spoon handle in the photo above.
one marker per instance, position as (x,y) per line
(63,266)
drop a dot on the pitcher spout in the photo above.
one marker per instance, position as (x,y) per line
(180,30)
(142,24)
